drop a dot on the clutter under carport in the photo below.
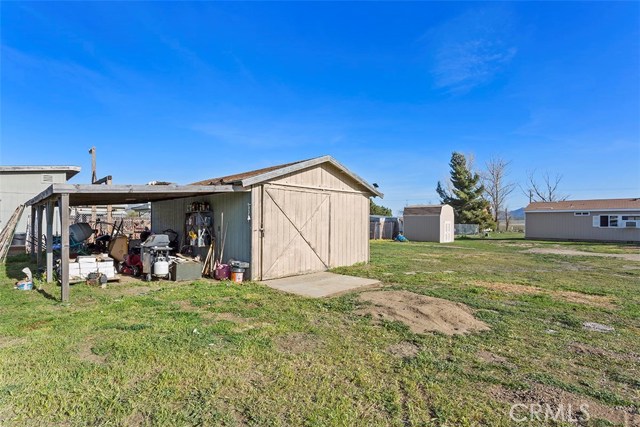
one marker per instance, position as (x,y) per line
(154,256)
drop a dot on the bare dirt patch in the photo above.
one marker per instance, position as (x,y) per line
(186,305)
(511,288)
(421,313)
(573,252)
(230,317)
(586,349)
(570,296)
(6,342)
(297,343)
(404,349)
(557,398)
(597,300)
(134,419)
(86,353)
(489,357)
(129,290)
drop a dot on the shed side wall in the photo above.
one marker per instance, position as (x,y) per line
(422,228)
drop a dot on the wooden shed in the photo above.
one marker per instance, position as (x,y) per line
(285,220)
(429,223)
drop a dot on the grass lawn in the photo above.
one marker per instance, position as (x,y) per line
(208,353)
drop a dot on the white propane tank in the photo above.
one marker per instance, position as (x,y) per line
(161,268)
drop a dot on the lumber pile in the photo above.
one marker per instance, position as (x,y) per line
(8,231)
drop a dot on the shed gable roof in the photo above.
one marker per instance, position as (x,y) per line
(584,205)
(258,176)
(423,210)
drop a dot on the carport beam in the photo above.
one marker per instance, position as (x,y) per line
(50,207)
(32,243)
(39,225)
(64,252)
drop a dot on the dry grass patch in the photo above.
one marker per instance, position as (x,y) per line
(586,349)
(127,290)
(297,342)
(6,342)
(555,398)
(570,296)
(572,252)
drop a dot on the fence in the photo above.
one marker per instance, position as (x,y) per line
(131,226)
(466,229)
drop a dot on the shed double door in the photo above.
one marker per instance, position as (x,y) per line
(296,231)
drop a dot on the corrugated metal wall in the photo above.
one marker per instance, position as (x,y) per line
(236,206)
(567,226)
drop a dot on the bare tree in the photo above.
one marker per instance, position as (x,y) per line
(507,218)
(497,189)
(545,188)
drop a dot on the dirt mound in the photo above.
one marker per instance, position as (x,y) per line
(421,313)
(556,398)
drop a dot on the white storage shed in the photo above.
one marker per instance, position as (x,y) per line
(429,223)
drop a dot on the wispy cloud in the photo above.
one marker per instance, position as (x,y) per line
(20,63)
(270,133)
(471,49)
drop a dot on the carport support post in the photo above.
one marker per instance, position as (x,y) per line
(32,231)
(39,225)
(64,253)
(50,207)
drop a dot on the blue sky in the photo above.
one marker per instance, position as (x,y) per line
(186,91)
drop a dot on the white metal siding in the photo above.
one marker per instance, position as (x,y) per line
(17,188)
(567,226)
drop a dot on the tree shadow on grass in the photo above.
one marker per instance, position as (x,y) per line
(15,264)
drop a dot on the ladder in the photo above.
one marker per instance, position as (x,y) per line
(6,236)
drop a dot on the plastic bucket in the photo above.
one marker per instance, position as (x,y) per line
(24,286)
(222,272)
(237,274)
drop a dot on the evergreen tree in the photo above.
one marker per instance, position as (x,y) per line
(378,210)
(466,196)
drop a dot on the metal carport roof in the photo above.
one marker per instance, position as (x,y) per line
(90,194)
